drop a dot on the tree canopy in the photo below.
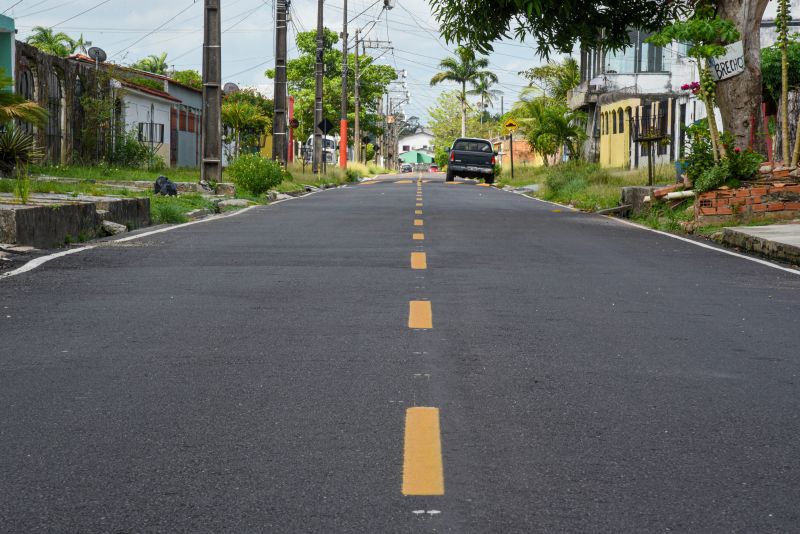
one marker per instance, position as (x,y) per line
(555,25)
(300,79)
(57,44)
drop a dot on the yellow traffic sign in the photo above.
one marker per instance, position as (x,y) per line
(511,125)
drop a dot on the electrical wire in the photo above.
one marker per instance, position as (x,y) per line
(12,6)
(82,13)
(179,13)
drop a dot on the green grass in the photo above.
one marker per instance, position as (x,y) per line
(586,186)
(174,209)
(103,173)
(662,217)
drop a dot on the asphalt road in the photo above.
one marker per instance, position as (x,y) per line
(258,373)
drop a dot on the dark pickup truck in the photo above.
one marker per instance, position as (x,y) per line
(471,158)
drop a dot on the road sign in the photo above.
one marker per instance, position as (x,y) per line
(325,125)
(511,125)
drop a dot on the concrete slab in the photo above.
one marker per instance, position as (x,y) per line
(776,241)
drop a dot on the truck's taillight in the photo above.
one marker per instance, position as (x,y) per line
(494,161)
(452,156)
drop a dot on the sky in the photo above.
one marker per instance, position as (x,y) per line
(129,30)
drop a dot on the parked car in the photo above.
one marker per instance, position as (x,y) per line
(406,167)
(433,168)
(471,158)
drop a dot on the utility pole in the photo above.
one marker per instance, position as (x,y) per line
(318,93)
(211,138)
(343,121)
(279,123)
(356,128)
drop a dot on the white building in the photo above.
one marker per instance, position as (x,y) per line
(422,140)
(146,112)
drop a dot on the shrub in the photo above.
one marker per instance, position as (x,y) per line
(129,152)
(164,211)
(255,173)
(712,177)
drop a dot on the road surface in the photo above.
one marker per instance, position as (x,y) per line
(331,365)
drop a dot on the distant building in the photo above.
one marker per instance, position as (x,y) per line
(422,140)
(523,153)
(7,42)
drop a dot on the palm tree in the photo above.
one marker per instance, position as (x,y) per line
(549,125)
(153,63)
(58,44)
(463,69)
(81,45)
(13,106)
(483,87)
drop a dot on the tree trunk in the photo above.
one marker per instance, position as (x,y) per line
(463,109)
(739,98)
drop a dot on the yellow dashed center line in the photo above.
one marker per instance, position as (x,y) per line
(418,222)
(419,260)
(420,314)
(404,182)
(418,236)
(423,473)
(417,212)
(419,204)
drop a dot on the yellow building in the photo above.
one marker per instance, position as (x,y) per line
(615,135)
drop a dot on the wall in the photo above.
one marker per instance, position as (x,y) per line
(7,33)
(417,141)
(142,108)
(61,138)
(615,132)
(523,154)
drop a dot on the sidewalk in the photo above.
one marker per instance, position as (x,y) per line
(776,241)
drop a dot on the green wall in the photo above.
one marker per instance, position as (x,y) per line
(7,36)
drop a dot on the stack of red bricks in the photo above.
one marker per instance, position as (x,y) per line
(777,197)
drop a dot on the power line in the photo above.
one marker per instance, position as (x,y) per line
(12,6)
(82,13)
(156,29)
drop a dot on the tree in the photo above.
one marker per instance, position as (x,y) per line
(249,116)
(14,106)
(80,45)
(463,69)
(558,25)
(153,63)
(705,33)
(190,78)
(549,125)
(482,87)
(555,79)
(57,44)
(373,80)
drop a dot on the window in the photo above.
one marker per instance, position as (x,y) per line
(640,57)
(406,148)
(614,121)
(151,132)
(473,146)
(620,121)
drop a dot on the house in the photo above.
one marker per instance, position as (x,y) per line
(416,156)
(523,153)
(638,87)
(147,113)
(7,41)
(422,140)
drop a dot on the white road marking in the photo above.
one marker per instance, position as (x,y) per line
(673,236)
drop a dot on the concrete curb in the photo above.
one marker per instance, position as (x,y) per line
(749,240)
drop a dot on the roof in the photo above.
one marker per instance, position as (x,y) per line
(150,91)
(86,59)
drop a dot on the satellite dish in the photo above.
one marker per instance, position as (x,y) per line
(230,88)
(388,4)
(97,54)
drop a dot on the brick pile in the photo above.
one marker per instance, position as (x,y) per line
(776,195)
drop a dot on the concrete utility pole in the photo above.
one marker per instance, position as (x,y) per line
(356,128)
(279,123)
(319,69)
(211,166)
(343,122)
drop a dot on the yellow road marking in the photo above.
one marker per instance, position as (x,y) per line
(423,473)
(419,204)
(418,222)
(418,236)
(454,183)
(417,212)
(404,182)
(484,185)
(419,260)
(556,211)
(420,314)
